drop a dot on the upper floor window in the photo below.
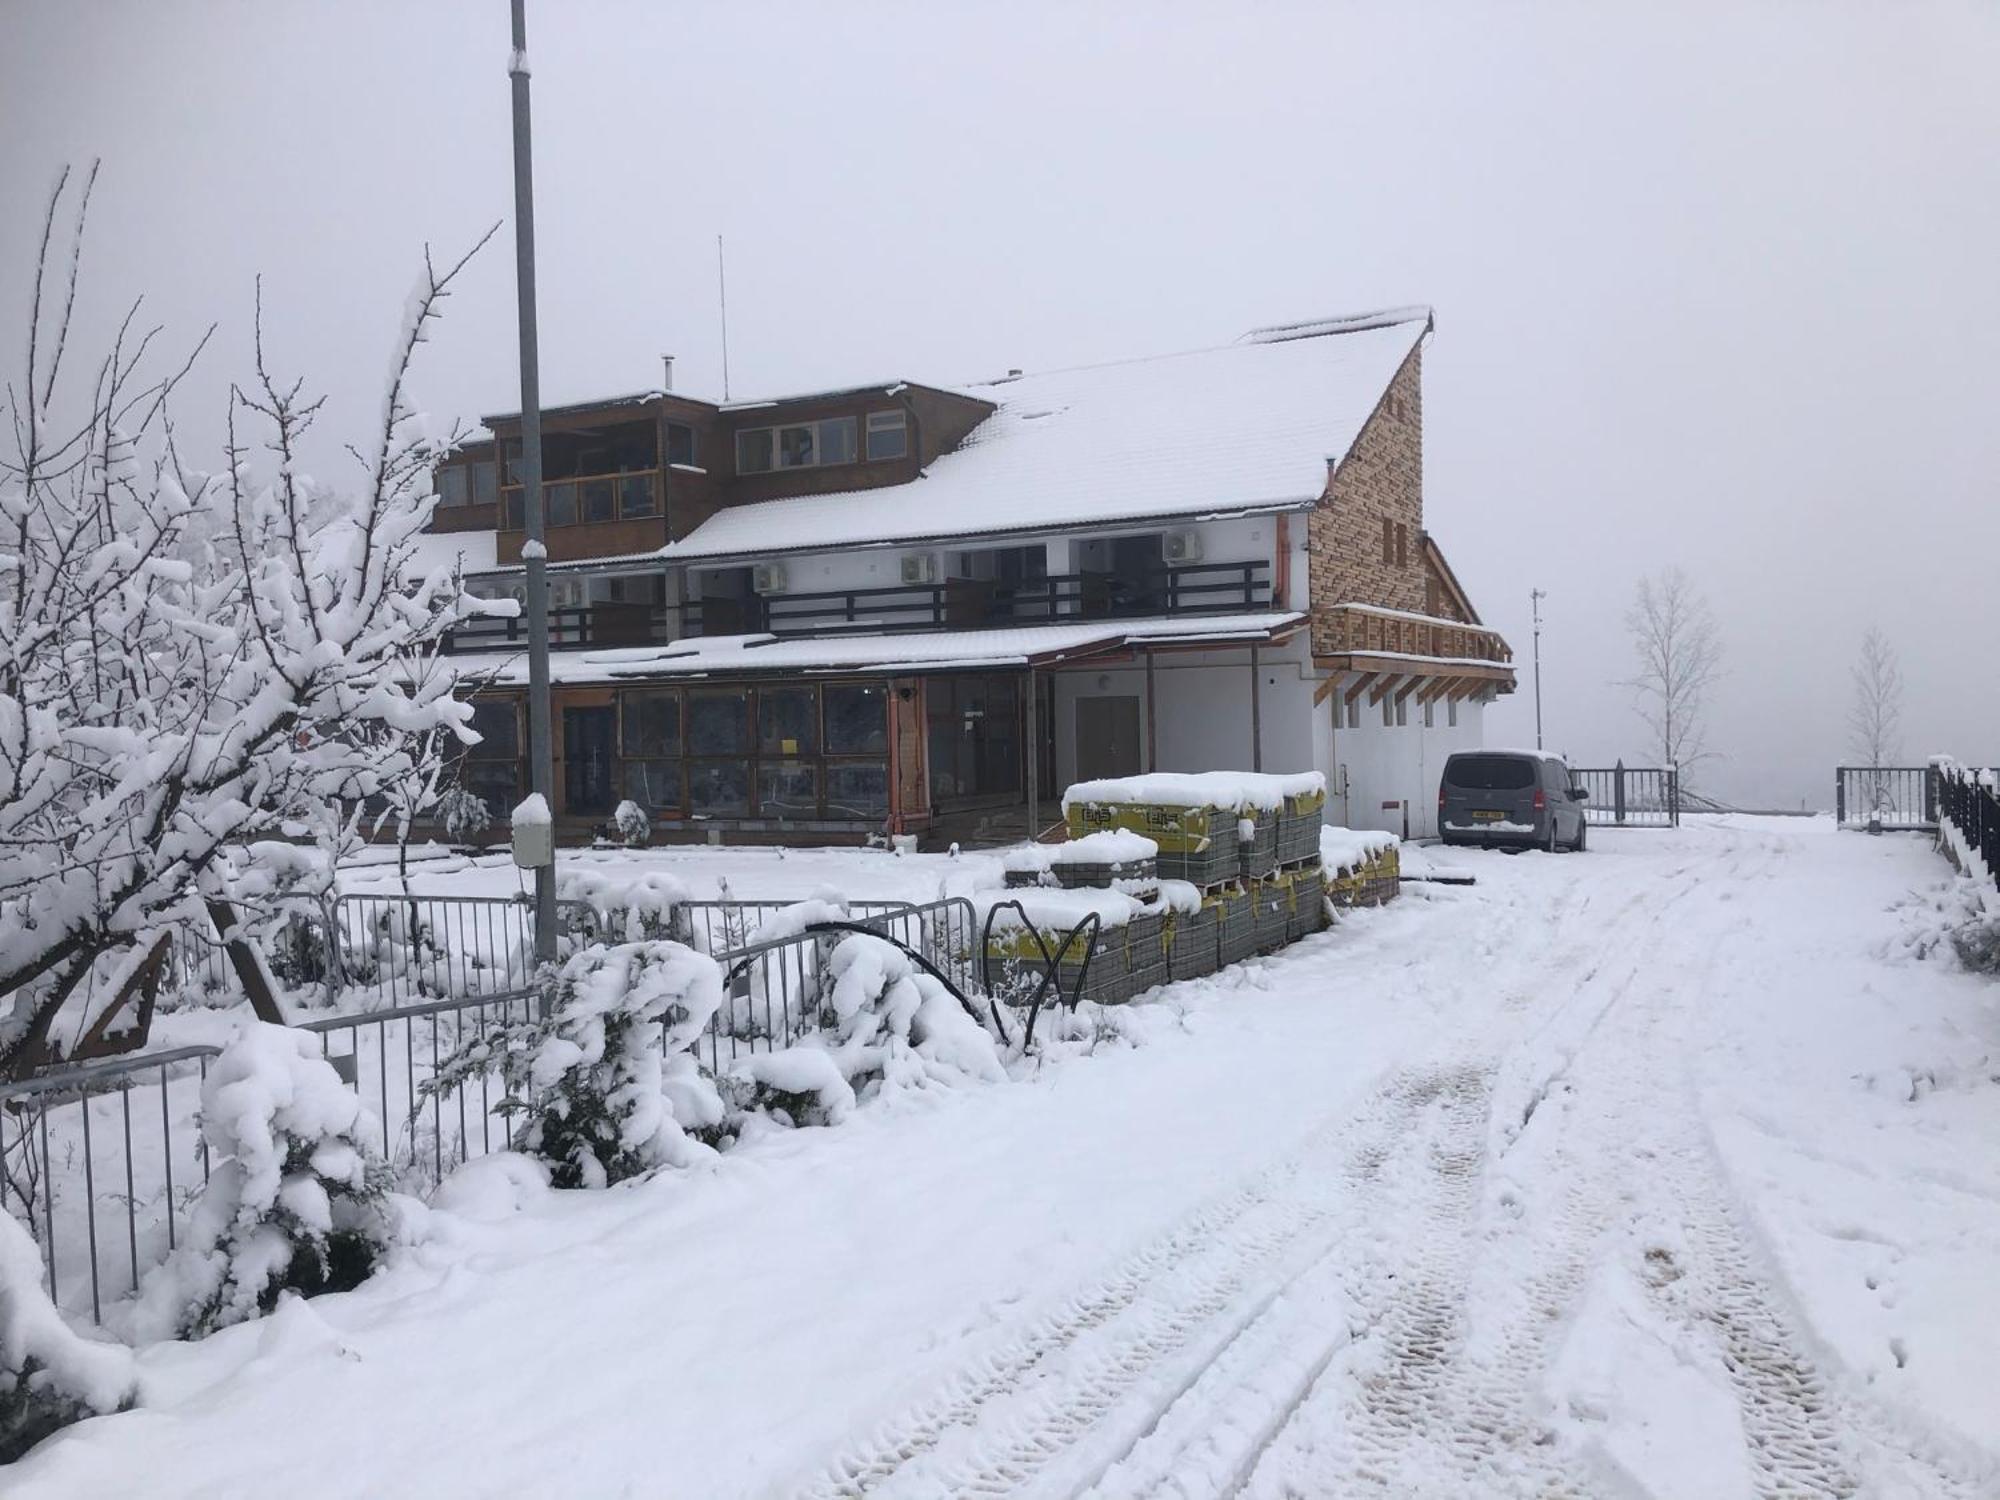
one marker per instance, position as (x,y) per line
(680,444)
(468,484)
(801,445)
(888,435)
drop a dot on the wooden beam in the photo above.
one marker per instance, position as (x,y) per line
(1438,688)
(1361,681)
(1384,686)
(1325,690)
(1409,687)
(1465,687)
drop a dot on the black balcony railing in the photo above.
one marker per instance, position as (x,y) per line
(957,604)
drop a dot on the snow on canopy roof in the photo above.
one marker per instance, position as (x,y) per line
(707,656)
(1245,428)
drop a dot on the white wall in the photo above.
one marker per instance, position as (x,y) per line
(1380,772)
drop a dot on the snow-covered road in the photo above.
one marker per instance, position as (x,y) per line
(1664,1170)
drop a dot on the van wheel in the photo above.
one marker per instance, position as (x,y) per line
(1553,845)
(1582,834)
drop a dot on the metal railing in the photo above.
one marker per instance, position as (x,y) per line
(386,1057)
(1968,802)
(1888,797)
(83,1147)
(405,950)
(1622,796)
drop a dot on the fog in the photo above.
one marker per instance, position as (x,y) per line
(1713,288)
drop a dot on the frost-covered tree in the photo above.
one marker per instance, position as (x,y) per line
(190,661)
(1679,659)
(1875,718)
(464,813)
(296,1201)
(604,1082)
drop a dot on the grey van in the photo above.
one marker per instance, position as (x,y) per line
(1510,798)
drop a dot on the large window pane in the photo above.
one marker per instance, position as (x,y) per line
(888,435)
(497,783)
(680,443)
(561,501)
(654,784)
(798,446)
(513,514)
(652,724)
(787,789)
(836,440)
(857,719)
(635,495)
(753,451)
(599,500)
(788,721)
(485,484)
(718,722)
(498,728)
(857,789)
(719,788)
(453,486)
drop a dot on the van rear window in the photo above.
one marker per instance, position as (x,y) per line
(1490,773)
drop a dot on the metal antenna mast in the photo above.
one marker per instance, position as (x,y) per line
(534,552)
(722,297)
(1535,598)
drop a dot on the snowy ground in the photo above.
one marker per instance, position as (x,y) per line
(1663,1170)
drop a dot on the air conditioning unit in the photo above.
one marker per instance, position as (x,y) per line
(1182,547)
(920,567)
(769,578)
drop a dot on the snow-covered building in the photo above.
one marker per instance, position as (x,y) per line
(902,608)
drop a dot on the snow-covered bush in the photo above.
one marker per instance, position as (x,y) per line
(634,825)
(624,907)
(603,1081)
(294,1202)
(464,814)
(884,1024)
(49,1375)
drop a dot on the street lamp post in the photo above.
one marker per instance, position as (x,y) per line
(541,764)
(1535,598)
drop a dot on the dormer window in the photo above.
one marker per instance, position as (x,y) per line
(888,435)
(798,445)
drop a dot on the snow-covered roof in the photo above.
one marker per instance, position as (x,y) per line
(1245,428)
(472,551)
(955,650)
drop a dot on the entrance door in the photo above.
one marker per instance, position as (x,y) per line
(587,734)
(1107,737)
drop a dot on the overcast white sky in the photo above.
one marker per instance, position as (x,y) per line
(1715,287)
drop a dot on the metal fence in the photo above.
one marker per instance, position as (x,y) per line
(1968,800)
(1889,797)
(396,950)
(1623,796)
(102,1162)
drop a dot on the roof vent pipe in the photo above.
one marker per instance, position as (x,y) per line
(667,376)
(1013,374)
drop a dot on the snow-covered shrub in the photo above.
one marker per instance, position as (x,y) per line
(603,1081)
(624,907)
(464,814)
(49,1375)
(884,1024)
(295,1201)
(634,825)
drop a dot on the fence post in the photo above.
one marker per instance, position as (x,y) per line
(1674,796)
(1618,792)
(1839,797)
(1930,794)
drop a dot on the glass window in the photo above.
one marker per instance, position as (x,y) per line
(635,495)
(497,783)
(857,789)
(787,721)
(512,515)
(510,454)
(680,443)
(836,440)
(718,722)
(787,789)
(485,483)
(888,435)
(652,724)
(454,486)
(753,451)
(798,447)
(654,784)
(498,727)
(561,502)
(719,788)
(857,719)
(599,500)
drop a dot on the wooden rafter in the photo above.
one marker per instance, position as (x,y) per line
(1384,686)
(1361,681)
(1326,688)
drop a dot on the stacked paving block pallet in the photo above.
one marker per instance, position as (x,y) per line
(1186,875)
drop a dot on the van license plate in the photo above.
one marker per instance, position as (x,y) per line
(1487,815)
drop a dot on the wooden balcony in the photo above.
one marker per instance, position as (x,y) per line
(1362,630)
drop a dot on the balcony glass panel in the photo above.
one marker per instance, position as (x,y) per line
(599,498)
(635,495)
